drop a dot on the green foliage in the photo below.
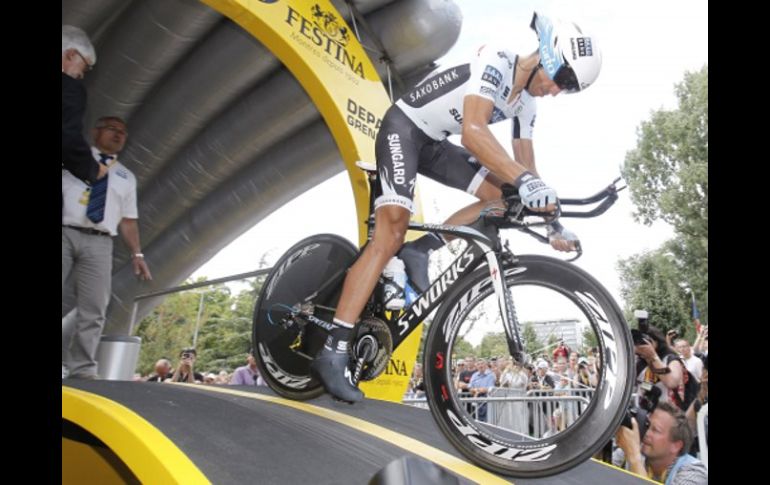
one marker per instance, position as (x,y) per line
(493,345)
(224,328)
(590,340)
(651,282)
(463,349)
(529,337)
(667,174)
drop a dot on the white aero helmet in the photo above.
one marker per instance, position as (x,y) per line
(570,58)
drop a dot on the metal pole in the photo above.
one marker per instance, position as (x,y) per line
(198,320)
(134,309)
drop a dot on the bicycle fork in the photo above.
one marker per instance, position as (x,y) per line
(506,306)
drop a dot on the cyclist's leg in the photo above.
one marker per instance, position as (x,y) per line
(455,167)
(390,226)
(397,150)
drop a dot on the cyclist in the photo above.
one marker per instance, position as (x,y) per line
(463,99)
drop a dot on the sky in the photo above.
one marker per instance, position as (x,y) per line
(580,140)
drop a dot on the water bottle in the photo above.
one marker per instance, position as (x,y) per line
(395,282)
(410,294)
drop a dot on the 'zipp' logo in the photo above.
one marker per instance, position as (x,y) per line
(496,449)
(296,256)
(326,32)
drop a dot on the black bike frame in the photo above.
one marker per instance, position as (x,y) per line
(483,245)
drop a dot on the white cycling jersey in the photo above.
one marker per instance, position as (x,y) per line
(436,103)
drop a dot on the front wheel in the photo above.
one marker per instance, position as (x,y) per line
(311,272)
(521,427)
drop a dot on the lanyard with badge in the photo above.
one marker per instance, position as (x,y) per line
(86,195)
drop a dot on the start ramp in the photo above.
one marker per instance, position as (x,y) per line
(136,432)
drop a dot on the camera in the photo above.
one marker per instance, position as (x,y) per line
(186,355)
(648,400)
(639,337)
(649,396)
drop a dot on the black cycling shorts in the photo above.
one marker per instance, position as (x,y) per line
(403,150)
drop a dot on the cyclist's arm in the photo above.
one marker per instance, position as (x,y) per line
(479,140)
(522,127)
(524,153)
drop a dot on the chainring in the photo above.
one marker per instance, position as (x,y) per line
(373,329)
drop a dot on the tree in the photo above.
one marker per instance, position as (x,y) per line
(590,340)
(493,345)
(651,282)
(463,349)
(224,333)
(667,174)
(529,338)
(167,330)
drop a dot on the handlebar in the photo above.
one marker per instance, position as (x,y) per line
(515,212)
(518,211)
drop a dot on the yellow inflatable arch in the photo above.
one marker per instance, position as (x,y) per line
(322,52)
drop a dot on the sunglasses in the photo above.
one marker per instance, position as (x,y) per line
(566,79)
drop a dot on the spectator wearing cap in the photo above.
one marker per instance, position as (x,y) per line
(541,379)
(185,371)
(248,375)
(542,383)
(585,378)
(464,377)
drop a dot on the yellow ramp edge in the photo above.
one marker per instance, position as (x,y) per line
(145,450)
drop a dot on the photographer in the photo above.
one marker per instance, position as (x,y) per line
(664,369)
(184,370)
(664,447)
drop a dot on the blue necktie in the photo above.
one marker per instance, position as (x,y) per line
(95,210)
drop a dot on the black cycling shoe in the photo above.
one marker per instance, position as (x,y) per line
(333,371)
(416,263)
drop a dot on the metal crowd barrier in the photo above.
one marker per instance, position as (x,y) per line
(532,414)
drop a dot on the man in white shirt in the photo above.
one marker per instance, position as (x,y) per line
(87,230)
(692,362)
